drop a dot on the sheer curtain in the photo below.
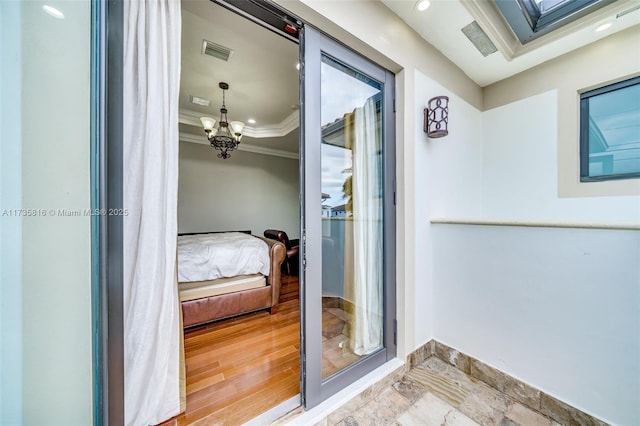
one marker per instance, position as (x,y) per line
(152,322)
(364,233)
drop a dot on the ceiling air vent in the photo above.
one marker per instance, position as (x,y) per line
(196,100)
(479,38)
(216,50)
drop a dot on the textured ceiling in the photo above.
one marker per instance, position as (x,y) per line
(261,72)
(262,69)
(442,22)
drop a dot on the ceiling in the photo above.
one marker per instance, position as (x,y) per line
(261,72)
(264,80)
(441,26)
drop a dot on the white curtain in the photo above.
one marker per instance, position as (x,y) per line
(152,331)
(366,330)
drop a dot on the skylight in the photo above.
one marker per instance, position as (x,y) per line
(530,19)
(547,5)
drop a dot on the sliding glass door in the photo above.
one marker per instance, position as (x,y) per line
(349,216)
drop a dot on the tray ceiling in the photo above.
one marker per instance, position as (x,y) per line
(261,73)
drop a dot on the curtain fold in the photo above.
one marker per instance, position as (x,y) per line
(365,229)
(152,333)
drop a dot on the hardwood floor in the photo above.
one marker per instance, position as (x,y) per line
(239,368)
(242,367)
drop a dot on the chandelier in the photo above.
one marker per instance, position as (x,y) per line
(226,137)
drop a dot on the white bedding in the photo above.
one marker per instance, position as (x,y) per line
(211,256)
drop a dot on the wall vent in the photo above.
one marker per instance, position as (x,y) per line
(216,50)
(196,100)
(479,38)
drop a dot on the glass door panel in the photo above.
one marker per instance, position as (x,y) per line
(348,158)
(352,216)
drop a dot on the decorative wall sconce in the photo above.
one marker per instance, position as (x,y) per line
(436,117)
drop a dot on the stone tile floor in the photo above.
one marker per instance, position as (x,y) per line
(435,393)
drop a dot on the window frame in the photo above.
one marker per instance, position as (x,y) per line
(584,132)
(528,21)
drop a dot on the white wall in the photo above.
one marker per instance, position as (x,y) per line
(249,191)
(520,162)
(10,227)
(56,250)
(448,183)
(556,308)
(45,260)
(610,59)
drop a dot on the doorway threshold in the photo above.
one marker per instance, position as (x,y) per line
(389,371)
(280,410)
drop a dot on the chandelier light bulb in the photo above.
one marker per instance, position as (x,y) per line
(237,127)
(208,123)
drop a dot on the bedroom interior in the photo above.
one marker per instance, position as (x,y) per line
(256,187)
(242,329)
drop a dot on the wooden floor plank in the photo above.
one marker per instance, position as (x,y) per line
(247,392)
(241,367)
(262,400)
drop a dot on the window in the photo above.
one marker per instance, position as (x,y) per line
(610,132)
(530,19)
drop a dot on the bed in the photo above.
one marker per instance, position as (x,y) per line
(224,274)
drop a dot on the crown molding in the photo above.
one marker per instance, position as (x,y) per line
(286,126)
(192,118)
(268,151)
(202,140)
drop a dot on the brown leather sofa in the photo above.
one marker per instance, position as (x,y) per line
(290,265)
(200,311)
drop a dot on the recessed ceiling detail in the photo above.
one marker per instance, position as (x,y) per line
(263,92)
(479,38)
(216,50)
(285,127)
